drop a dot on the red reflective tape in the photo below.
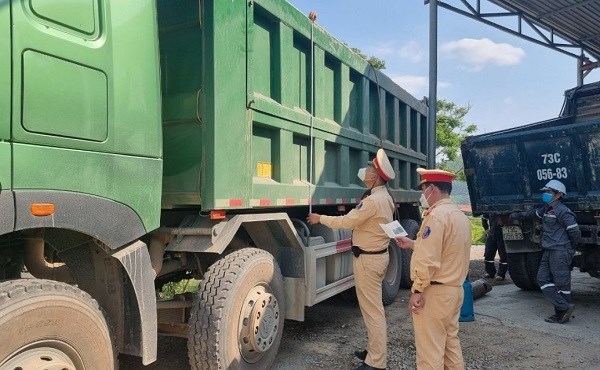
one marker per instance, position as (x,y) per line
(236,202)
(265,202)
(343,245)
(289,201)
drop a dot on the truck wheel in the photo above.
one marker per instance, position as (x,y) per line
(349,295)
(52,325)
(523,268)
(237,316)
(412,228)
(391,279)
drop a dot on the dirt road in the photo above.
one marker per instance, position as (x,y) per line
(508,333)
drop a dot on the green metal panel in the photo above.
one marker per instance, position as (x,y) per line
(66,111)
(180,39)
(356,110)
(5,166)
(111,176)
(86,100)
(253,145)
(5,82)
(227,173)
(122,46)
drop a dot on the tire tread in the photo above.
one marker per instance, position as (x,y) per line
(207,316)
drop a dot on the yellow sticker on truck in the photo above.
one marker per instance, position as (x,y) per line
(264,169)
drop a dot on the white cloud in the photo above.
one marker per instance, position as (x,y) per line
(417,85)
(412,52)
(384,49)
(444,85)
(412,84)
(479,53)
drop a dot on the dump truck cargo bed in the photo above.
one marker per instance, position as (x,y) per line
(268,110)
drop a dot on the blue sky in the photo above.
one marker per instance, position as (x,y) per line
(506,80)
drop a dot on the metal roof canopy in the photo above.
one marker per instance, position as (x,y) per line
(571,27)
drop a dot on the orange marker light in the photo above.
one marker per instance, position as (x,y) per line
(42,209)
(217,215)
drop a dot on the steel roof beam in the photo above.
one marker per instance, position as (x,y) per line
(547,41)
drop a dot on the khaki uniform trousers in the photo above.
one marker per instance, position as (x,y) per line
(369,270)
(436,329)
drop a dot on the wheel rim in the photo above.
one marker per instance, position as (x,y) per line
(259,323)
(50,355)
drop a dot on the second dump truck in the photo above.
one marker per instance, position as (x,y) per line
(506,169)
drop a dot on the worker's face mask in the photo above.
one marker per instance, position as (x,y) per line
(547,198)
(424,200)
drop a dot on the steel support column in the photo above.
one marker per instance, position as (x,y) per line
(432,114)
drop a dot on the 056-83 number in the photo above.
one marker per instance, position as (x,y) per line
(549,174)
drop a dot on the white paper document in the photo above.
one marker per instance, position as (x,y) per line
(393,229)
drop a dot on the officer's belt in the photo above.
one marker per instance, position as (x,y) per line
(357,251)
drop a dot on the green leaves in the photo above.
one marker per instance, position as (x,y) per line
(451,130)
(374,61)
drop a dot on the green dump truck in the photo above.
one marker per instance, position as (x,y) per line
(144,143)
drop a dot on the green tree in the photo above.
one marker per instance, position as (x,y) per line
(374,61)
(451,130)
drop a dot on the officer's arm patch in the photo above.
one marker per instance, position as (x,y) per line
(426,232)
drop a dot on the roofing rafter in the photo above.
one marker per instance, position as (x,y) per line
(571,27)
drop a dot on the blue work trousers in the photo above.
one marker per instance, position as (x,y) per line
(554,277)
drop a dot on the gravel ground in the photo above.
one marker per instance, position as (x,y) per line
(508,333)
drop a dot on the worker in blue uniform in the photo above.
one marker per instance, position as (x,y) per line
(560,236)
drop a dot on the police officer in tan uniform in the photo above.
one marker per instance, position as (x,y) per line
(370,248)
(439,266)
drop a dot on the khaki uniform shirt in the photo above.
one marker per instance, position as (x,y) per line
(364,220)
(442,248)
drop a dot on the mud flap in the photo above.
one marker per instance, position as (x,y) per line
(136,261)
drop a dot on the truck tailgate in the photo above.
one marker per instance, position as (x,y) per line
(505,170)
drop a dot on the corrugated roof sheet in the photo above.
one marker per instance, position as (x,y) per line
(577,21)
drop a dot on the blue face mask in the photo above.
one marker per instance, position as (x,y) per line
(547,198)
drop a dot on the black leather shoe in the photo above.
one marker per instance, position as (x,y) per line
(367,367)
(361,355)
(552,319)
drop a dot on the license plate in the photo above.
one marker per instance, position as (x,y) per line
(512,233)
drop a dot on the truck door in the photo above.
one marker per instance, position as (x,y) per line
(6,203)
(86,103)
(5,83)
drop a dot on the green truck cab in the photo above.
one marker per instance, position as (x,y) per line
(142,143)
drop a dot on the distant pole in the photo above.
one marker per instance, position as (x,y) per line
(432,116)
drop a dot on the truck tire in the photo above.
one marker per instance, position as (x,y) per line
(349,295)
(52,325)
(412,229)
(237,316)
(391,280)
(523,268)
